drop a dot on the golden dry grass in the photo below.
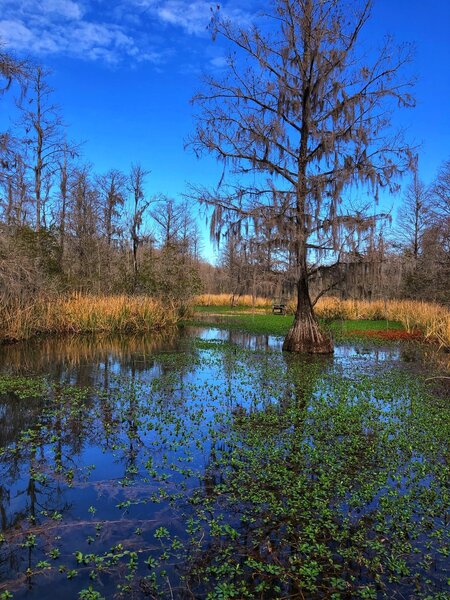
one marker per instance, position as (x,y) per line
(433,320)
(83,313)
(227,300)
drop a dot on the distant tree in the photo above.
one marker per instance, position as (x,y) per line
(441,191)
(190,234)
(168,217)
(29,263)
(232,264)
(176,273)
(140,205)
(250,265)
(112,188)
(65,170)
(83,225)
(16,200)
(11,69)
(414,215)
(437,237)
(174,225)
(425,228)
(43,139)
(307,118)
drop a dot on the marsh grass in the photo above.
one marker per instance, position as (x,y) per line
(432,320)
(84,314)
(223,300)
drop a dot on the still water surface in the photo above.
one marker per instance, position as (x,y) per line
(129,469)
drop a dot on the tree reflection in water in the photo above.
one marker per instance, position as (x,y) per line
(214,464)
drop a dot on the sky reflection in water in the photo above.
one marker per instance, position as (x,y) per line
(141,425)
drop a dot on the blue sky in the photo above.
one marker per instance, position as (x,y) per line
(125,70)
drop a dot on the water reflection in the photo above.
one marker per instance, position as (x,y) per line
(93,359)
(123,434)
(249,341)
(87,359)
(97,361)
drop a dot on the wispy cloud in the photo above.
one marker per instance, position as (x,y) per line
(63,8)
(218,62)
(67,27)
(191,15)
(109,31)
(86,40)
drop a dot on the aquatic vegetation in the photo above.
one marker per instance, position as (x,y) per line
(228,472)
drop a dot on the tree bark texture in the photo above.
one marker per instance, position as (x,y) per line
(305,336)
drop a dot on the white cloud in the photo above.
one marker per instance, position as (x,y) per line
(63,8)
(191,15)
(106,30)
(15,34)
(219,62)
(43,27)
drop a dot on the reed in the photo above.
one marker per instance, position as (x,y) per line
(84,313)
(231,300)
(432,320)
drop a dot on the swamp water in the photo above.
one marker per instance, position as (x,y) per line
(212,465)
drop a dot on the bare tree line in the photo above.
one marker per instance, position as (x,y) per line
(65,227)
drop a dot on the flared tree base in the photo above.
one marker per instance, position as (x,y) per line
(305,337)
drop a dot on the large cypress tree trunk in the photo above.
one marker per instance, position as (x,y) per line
(304,335)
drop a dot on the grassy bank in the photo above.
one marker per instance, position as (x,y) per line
(270,324)
(84,314)
(431,320)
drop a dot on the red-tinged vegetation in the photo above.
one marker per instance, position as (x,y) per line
(391,334)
